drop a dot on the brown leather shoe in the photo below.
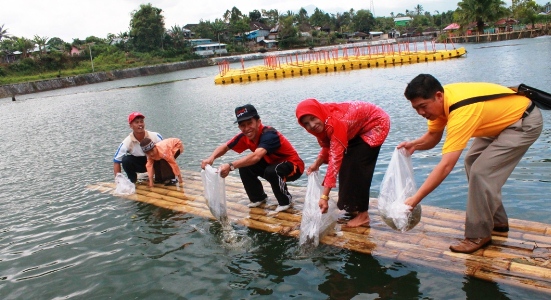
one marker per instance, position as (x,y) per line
(501,227)
(470,245)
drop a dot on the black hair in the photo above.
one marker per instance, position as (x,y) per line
(145,142)
(424,86)
(256,117)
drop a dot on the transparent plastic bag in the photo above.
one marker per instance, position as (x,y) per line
(314,225)
(124,185)
(215,193)
(398,184)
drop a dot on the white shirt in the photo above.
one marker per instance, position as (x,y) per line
(131,146)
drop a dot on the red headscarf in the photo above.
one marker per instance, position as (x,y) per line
(330,114)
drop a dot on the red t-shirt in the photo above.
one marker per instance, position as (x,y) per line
(278,147)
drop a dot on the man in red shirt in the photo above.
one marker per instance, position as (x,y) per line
(272,158)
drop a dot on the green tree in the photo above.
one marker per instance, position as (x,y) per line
(418,9)
(24,45)
(41,42)
(7,46)
(56,42)
(204,30)
(238,23)
(480,11)
(272,16)
(319,18)
(255,16)
(363,21)
(178,36)
(233,15)
(525,10)
(342,21)
(302,16)
(288,32)
(218,27)
(147,28)
(3,32)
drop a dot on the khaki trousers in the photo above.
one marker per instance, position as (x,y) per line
(488,164)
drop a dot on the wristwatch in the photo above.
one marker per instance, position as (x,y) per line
(232,168)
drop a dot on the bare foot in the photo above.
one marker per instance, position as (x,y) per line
(361,219)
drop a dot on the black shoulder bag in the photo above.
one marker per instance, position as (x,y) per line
(540,98)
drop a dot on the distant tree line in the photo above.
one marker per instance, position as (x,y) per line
(148,41)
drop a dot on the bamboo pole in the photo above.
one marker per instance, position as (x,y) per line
(510,258)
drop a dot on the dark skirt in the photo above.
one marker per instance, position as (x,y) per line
(355,175)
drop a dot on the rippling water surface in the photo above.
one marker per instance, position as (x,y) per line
(59,240)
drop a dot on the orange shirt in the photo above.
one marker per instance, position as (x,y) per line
(165,149)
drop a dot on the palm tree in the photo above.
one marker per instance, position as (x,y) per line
(24,45)
(41,42)
(218,26)
(3,32)
(480,11)
(418,9)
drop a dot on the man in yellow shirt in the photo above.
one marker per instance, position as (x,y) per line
(503,130)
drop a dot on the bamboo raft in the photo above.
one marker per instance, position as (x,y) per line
(519,258)
(325,61)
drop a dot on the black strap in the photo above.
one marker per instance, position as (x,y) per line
(477,99)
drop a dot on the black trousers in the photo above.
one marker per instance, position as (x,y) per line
(276,174)
(136,164)
(355,175)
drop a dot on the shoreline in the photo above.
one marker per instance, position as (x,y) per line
(24,88)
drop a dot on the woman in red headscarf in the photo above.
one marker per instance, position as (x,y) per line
(350,135)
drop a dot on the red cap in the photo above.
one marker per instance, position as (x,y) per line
(134,115)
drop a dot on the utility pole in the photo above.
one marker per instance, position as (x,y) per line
(90,48)
(372,8)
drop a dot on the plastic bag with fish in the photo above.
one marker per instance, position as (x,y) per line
(215,193)
(314,224)
(124,185)
(398,184)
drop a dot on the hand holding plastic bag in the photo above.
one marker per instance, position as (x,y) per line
(124,185)
(398,184)
(314,224)
(215,193)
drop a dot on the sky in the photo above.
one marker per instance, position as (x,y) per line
(71,19)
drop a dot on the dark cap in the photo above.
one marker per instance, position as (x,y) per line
(245,112)
(147,144)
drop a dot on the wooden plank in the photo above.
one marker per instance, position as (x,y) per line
(521,257)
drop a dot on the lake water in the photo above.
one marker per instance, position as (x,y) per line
(59,240)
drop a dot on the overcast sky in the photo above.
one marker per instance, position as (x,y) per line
(69,19)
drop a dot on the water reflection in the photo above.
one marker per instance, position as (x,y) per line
(478,289)
(355,275)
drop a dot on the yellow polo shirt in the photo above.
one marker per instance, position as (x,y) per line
(482,119)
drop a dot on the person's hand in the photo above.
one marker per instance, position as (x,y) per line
(410,202)
(324,205)
(224,170)
(408,146)
(312,168)
(206,161)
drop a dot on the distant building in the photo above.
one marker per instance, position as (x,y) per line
(75,51)
(210,49)
(195,42)
(273,33)
(402,21)
(268,44)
